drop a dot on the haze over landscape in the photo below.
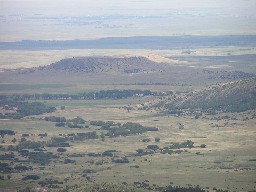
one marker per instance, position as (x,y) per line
(62,20)
(127,96)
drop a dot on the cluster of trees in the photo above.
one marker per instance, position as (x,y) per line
(39,157)
(67,161)
(71,123)
(7,132)
(58,142)
(61,150)
(182,189)
(20,168)
(24,109)
(176,145)
(174,148)
(186,144)
(103,124)
(142,152)
(31,177)
(55,119)
(30,145)
(6,168)
(108,153)
(34,108)
(128,128)
(121,160)
(63,141)
(76,120)
(49,182)
(118,129)
(84,136)
(7,156)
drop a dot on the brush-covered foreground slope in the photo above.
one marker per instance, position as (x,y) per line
(234,96)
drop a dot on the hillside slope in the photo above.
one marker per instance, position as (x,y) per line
(234,96)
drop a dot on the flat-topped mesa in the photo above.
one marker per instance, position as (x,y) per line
(95,64)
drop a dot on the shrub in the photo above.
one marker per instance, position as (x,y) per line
(89,171)
(97,123)
(67,161)
(7,132)
(60,124)
(5,167)
(49,182)
(183,189)
(70,125)
(185,144)
(122,160)
(107,154)
(146,140)
(61,150)
(31,177)
(153,147)
(27,189)
(30,145)
(42,135)
(22,168)
(55,119)
(78,120)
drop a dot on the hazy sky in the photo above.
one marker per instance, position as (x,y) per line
(85,19)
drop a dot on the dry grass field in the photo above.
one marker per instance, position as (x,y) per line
(227,162)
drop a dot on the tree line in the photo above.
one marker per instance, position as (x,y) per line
(102,94)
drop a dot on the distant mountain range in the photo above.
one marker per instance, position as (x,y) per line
(137,42)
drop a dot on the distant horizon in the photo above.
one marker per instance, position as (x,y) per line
(129,37)
(65,20)
(134,42)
